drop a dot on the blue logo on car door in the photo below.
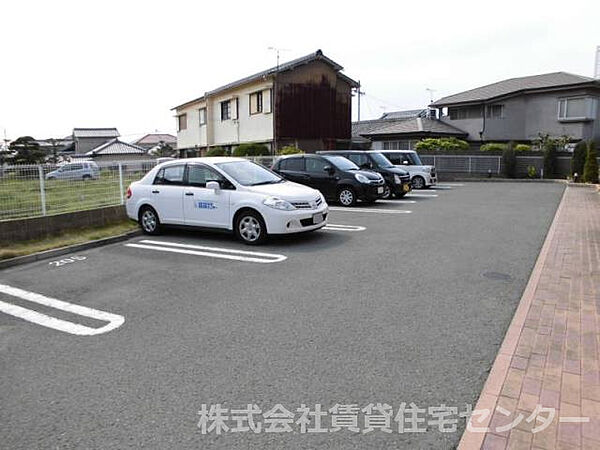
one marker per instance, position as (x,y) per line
(203,204)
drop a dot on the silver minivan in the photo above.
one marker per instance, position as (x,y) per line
(80,170)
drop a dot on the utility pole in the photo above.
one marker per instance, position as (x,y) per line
(431,91)
(359,93)
(597,68)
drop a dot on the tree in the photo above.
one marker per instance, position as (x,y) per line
(290,150)
(163,150)
(590,169)
(509,160)
(216,151)
(549,145)
(27,151)
(578,160)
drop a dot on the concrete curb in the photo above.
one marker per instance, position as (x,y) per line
(64,250)
(505,180)
(495,380)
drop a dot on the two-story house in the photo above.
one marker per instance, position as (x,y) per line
(305,102)
(519,109)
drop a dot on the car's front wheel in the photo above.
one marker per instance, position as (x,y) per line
(387,192)
(346,196)
(149,221)
(418,182)
(250,228)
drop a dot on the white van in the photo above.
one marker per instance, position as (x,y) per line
(421,176)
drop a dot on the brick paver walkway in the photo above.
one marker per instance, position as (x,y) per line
(550,355)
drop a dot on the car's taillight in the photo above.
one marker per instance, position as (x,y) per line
(128,192)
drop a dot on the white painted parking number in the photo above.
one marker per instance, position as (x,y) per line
(69,260)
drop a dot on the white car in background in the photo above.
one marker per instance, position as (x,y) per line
(224,193)
(422,176)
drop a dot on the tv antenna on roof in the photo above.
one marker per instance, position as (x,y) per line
(277,50)
(597,68)
(431,91)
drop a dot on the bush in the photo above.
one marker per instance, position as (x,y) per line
(216,151)
(444,144)
(509,161)
(578,160)
(590,169)
(251,150)
(531,172)
(522,148)
(289,150)
(493,147)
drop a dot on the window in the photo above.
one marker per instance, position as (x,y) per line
(293,164)
(256,102)
(226,110)
(202,116)
(465,112)
(360,159)
(170,175)
(181,122)
(494,111)
(199,175)
(399,145)
(577,108)
(315,165)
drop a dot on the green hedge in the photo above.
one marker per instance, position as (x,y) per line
(590,169)
(290,150)
(443,144)
(251,150)
(216,151)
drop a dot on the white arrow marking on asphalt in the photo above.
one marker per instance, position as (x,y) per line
(114,320)
(369,210)
(334,227)
(211,252)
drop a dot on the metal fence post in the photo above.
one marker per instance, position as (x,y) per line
(470,164)
(499,162)
(42,189)
(121,191)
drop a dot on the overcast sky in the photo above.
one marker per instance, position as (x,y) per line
(126,63)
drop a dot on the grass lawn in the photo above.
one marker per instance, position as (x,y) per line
(20,198)
(70,237)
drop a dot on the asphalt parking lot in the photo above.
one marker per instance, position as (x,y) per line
(402,301)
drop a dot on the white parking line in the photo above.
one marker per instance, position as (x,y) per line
(391,202)
(114,320)
(422,195)
(211,252)
(334,227)
(370,210)
(450,184)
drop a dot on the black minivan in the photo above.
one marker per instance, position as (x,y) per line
(338,178)
(397,180)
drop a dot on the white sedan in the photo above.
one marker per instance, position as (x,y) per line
(224,193)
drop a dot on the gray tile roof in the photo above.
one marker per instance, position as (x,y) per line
(156,138)
(318,55)
(410,113)
(116,147)
(513,86)
(418,125)
(95,132)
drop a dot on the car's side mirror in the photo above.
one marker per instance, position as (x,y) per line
(214,185)
(328,169)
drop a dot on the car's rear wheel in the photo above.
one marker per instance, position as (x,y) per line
(418,182)
(149,221)
(250,228)
(346,196)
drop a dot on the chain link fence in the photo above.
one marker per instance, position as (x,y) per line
(37,190)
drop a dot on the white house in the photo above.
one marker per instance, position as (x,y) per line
(305,102)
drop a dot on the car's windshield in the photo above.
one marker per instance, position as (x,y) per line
(341,163)
(248,173)
(381,160)
(415,159)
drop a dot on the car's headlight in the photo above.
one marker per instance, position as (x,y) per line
(397,179)
(361,178)
(277,203)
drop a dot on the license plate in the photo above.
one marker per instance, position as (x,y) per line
(406,188)
(380,190)
(317,218)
